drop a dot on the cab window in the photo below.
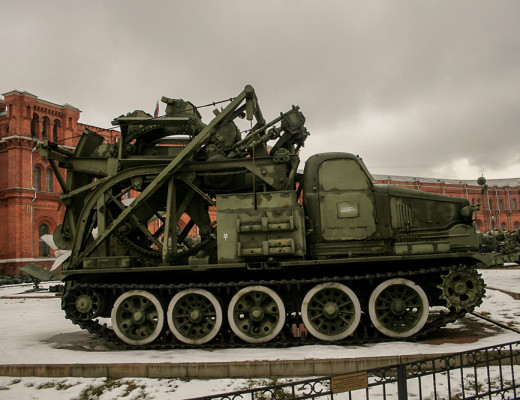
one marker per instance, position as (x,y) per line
(343,174)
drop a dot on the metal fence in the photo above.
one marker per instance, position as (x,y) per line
(485,373)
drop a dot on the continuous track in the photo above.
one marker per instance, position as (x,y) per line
(226,339)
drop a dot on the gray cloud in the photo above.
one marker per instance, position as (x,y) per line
(413,87)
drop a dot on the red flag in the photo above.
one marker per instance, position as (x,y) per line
(156,112)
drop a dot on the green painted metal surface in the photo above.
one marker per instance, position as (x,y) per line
(221,210)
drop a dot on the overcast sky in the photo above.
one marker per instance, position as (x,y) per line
(418,88)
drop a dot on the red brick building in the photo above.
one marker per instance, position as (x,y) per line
(29,192)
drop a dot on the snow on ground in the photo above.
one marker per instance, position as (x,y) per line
(176,389)
(504,279)
(34,330)
(128,388)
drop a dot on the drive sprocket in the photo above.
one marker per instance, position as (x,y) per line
(462,288)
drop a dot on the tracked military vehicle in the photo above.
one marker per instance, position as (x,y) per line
(327,249)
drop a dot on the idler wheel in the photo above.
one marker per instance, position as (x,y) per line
(83,304)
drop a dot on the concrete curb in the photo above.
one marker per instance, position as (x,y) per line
(211,370)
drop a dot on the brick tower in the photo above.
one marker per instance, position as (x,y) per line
(29,191)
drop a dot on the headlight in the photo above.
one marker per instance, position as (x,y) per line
(467,212)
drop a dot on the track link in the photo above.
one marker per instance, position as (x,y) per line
(363,334)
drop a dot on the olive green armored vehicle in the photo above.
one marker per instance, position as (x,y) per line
(324,255)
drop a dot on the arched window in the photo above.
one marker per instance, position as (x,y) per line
(514,204)
(44,248)
(48,180)
(517,225)
(35,123)
(45,127)
(504,226)
(501,204)
(37,178)
(55,130)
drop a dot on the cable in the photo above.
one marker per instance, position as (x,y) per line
(217,102)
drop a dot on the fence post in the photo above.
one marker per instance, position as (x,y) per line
(402,389)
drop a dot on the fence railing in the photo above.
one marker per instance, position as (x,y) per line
(485,373)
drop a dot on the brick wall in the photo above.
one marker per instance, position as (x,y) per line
(28,204)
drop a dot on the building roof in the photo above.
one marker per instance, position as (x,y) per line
(25,93)
(473,182)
